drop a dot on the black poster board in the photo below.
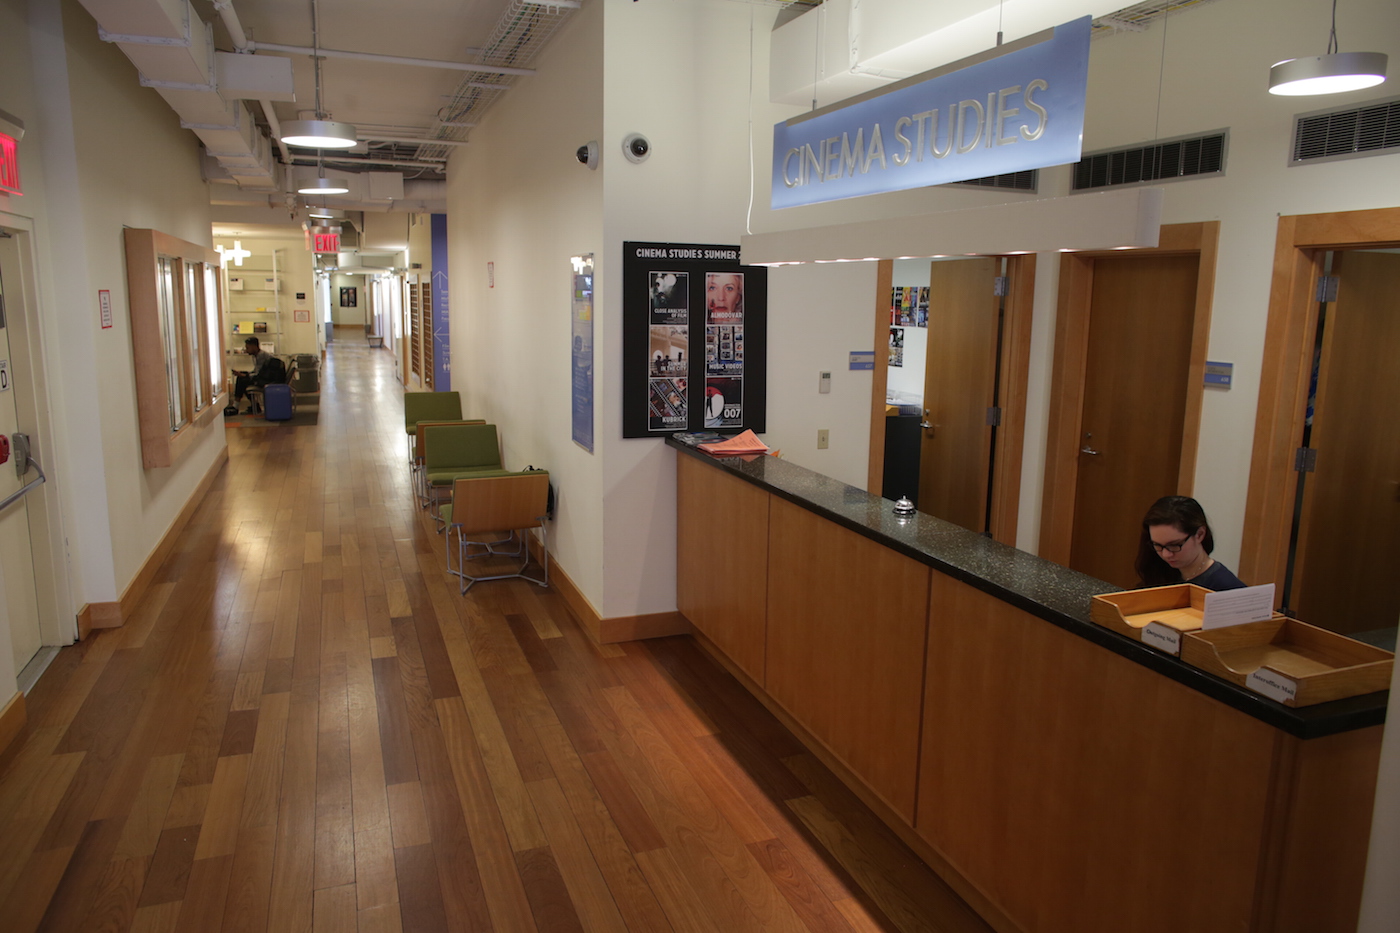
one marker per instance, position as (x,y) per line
(694,340)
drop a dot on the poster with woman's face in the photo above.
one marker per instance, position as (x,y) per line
(724,297)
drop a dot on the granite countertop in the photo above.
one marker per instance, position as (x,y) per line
(1044,589)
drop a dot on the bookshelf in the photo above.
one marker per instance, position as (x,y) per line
(254,303)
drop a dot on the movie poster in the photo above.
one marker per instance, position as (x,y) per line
(897,346)
(693,340)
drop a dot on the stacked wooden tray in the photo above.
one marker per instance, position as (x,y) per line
(1286,660)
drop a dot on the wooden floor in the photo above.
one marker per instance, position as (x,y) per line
(304,727)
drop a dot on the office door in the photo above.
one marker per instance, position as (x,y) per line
(21,601)
(1141,320)
(959,386)
(1349,534)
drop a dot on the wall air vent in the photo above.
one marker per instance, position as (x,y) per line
(1159,161)
(1019,181)
(1370,129)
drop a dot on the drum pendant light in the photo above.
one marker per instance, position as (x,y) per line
(322,132)
(1332,73)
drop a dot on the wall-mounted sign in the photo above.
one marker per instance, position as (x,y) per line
(694,340)
(9,164)
(104,307)
(581,326)
(1019,111)
(862,359)
(1219,374)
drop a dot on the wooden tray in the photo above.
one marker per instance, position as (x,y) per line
(1290,661)
(1178,607)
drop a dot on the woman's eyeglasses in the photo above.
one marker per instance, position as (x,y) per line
(1173,548)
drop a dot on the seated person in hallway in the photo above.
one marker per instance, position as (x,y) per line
(1175,547)
(261,374)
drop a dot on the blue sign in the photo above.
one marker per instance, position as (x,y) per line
(862,359)
(1019,111)
(442,344)
(1219,374)
(581,318)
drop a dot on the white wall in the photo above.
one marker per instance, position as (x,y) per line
(295,269)
(680,74)
(518,198)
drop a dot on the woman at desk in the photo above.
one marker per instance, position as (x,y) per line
(1175,547)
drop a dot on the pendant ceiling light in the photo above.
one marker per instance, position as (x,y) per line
(322,132)
(1332,73)
(323,185)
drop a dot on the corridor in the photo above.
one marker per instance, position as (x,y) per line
(305,727)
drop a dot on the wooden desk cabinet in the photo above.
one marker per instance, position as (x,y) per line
(1058,784)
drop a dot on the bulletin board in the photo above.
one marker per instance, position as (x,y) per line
(695,340)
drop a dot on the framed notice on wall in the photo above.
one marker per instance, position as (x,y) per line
(347,296)
(695,340)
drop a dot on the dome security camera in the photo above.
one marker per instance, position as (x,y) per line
(636,147)
(587,154)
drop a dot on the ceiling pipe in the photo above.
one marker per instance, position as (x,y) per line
(311,160)
(420,140)
(388,59)
(240,42)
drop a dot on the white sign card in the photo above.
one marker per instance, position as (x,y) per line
(1272,684)
(1162,637)
(1236,607)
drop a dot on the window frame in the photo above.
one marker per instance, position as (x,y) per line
(177,388)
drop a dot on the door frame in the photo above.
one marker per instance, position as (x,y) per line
(1299,250)
(1014,387)
(58,619)
(1068,374)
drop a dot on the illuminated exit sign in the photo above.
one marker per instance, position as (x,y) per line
(327,242)
(9,164)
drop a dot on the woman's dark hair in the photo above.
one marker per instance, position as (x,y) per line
(1182,513)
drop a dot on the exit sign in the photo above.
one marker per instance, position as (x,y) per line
(9,164)
(327,242)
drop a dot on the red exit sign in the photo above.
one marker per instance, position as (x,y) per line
(327,242)
(9,165)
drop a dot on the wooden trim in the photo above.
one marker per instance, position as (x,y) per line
(1067,377)
(1286,371)
(619,628)
(1014,390)
(879,383)
(985,907)
(136,589)
(12,721)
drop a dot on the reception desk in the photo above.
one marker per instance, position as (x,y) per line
(1060,776)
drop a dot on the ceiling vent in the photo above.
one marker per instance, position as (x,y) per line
(1159,161)
(1370,129)
(1016,181)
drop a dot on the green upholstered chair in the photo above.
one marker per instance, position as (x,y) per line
(420,486)
(428,406)
(455,450)
(494,512)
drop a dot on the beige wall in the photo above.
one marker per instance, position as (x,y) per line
(294,265)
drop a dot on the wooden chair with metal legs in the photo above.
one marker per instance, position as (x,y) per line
(420,484)
(428,406)
(492,513)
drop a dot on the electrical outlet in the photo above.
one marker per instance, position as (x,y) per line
(823,438)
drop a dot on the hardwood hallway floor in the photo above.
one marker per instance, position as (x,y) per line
(305,728)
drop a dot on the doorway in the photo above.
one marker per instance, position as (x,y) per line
(950,392)
(1321,515)
(31,590)
(1127,387)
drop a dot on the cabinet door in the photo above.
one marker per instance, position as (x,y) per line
(847,620)
(722,560)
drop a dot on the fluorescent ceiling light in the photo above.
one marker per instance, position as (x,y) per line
(1327,74)
(324,185)
(319,134)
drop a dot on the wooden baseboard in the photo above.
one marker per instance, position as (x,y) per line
(113,614)
(985,907)
(12,721)
(620,628)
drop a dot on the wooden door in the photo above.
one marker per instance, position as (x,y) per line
(1349,540)
(1141,318)
(959,386)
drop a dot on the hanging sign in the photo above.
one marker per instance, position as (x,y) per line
(1019,111)
(327,243)
(9,164)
